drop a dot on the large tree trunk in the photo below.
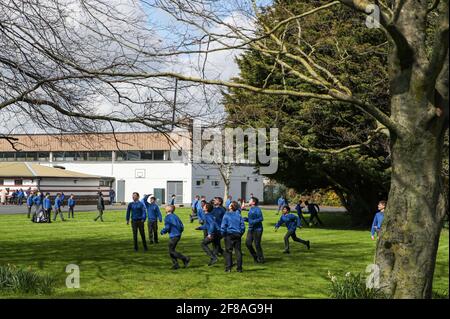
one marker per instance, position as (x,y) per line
(406,251)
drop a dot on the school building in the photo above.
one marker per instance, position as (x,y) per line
(22,175)
(146,162)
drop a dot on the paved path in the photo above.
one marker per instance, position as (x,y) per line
(14,209)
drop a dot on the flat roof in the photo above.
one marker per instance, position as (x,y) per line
(123,141)
(33,170)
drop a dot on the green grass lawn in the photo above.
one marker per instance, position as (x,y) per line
(111,269)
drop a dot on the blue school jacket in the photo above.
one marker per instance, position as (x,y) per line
(210,225)
(377,221)
(172,225)
(71,202)
(47,203)
(255,218)
(232,223)
(290,220)
(137,211)
(218,213)
(30,201)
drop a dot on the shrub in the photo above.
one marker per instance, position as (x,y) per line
(13,279)
(353,286)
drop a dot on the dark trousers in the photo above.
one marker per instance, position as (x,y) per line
(313,216)
(174,255)
(293,235)
(48,214)
(29,211)
(255,236)
(214,240)
(153,231)
(135,226)
(233,242)
(99,215)
(58,211)
(70,211)
(205,231)
(303,219)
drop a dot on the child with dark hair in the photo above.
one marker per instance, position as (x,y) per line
(232,229)
(255,230)
(299,207)
(212,234)
(292,222)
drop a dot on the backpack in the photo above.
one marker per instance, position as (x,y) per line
(40,217)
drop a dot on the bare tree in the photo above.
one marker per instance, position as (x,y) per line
(52,71)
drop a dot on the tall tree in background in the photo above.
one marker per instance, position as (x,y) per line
(311,130)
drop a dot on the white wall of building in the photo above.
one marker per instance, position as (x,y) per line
(144,177)
(208,174)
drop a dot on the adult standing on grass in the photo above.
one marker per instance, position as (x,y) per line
(57,207)
(29,205)
(292,222)
(174,227)
(100,207)
(138,213)
(378,220)
(255,230)
(71,204)
(153,215)
(212,234)
(232,229)
(281,203)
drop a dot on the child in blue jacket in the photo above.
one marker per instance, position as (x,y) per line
(292,222)
(71,203)
(232,229)
(255,230)
(47,206)
(378,220)
(57,207)
(29,204)
(174,227)
(154,214)
(212,234)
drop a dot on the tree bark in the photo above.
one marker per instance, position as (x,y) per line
(406,251)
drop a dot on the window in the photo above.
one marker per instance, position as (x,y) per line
(158,155)
(104,156)
(2,182)
(21,156)
(133,156)
(215,183)
(198,183)
(8,157)
(43,156)
(18,182)
(58,156)
(146,155)
(70,156)
(32,156)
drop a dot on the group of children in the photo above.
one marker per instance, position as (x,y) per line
(43,206)
(216,221)
(218,224)
(14,197)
